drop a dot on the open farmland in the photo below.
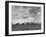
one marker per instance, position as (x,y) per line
(26,27)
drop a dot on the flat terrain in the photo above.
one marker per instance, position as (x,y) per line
(27,26)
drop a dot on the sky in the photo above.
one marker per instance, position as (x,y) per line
(24,14)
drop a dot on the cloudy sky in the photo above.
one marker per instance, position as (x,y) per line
(23,14)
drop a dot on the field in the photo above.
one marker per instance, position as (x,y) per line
(27,26)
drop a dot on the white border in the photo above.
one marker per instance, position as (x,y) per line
(28,31)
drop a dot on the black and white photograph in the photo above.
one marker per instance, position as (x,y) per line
(25,18)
